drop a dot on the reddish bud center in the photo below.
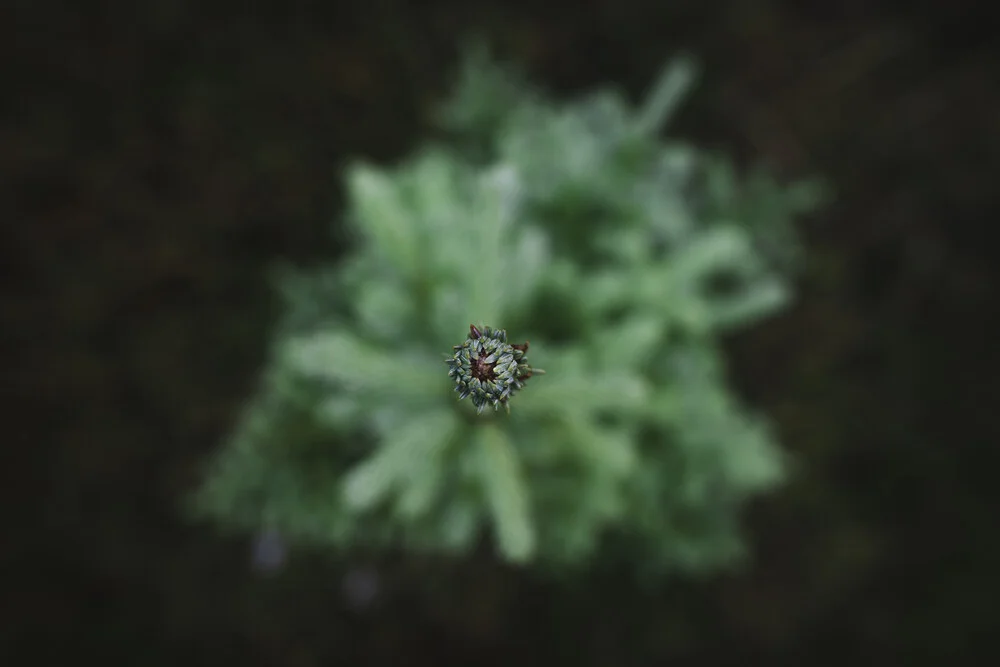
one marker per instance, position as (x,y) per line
(481,370)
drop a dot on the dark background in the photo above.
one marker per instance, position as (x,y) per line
(157,157)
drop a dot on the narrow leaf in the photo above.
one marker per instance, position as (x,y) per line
(385,217)
(340,356)
(507,493)
(412,449)
(666,96)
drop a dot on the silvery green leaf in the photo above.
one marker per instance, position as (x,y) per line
(629,246)
(385,217)
(752,464)
(339,409)
(668,214)
(437,189)
(607,289)
(369,482)
(338,355)
(428,437)
(663,406)
(669,90)
(759,299)
(486,234)
(383,308)
(718,249)
(609,450)
(447,309)
(632,343)
(524,267)
(407,444)
(603,390)
(507,494)
(458,523)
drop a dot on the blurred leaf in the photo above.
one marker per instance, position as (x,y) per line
(407,455)
(506,493)
(666,96)
(459,522)
(576,390)
(633,342)
(337,355)
(756,301)
(428,436)
(484,95)
(610,453)
(384,216)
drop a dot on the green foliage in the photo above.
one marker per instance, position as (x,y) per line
(620,256)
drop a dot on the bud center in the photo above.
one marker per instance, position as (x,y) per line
(481,370)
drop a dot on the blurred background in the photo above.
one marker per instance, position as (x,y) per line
(157,157)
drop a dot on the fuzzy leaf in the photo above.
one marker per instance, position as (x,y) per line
(428,438)
(717,249)
(495,205)
(409,451)
(666,95)
(458,524)
(338,355)
(523,268)
(608,451)
(760,299)
(570,383)
(632,343)
(506,493)
(385,217)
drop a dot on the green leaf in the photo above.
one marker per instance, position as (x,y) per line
(752,464)
(756,301)
(569,384)
(341,356)
(412,449)
(368,483)
(485,95)
(666,95)
(507,493)
(718,249)
(632,343)
(609,451)
(427,438)
(383,308)
(489,223)
(523,268)
(385,217)
(458,524)
(605,289)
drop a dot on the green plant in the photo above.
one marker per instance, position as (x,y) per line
(620,255)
